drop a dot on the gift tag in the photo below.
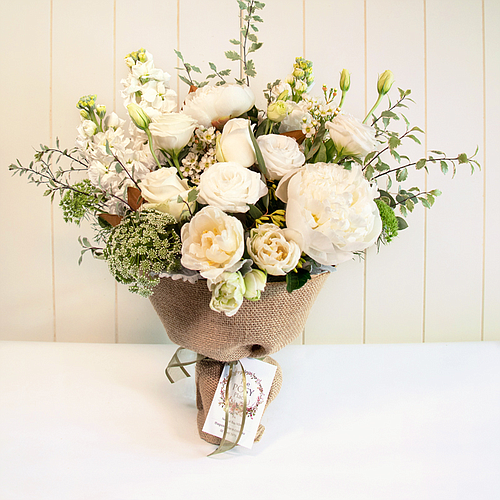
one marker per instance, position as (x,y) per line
(259,378)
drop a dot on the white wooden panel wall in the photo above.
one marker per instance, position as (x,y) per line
(439,281)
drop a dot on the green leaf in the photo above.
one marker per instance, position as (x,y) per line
(402,224)
(255,46)
(252,37)
(425,203)
(321,154)
(462,158)
(192,195)
(108,149)
(436,192)
(318,139)
(410,205)
(402,175)
(330,150)
(258,19)
(389,114)
(179,55)
(258,154)
(232,55)
(254,212)
(411,136)
(394,142)
(185,80)
(242,5)
(250,69)
(234,42)
(296,280)
(435,151)
(369,172)
(431,199)
(420,163)
(381,166)
(416,129)
(444,167)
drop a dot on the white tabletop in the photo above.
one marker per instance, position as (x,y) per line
(101,421)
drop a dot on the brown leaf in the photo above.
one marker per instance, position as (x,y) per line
(298,135)
(134,197)
(219,124)
(192,88)
(114,220)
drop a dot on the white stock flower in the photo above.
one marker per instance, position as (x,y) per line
(235,143)
(281,154)
(255,282)
(89,128)
(351,137)
(297,114)
(213,104)
(227,293)
(274,250)
(212,242)
(162,188)
(230,187)
(172,131)
(333,209)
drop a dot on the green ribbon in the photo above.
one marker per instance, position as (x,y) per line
(174,375)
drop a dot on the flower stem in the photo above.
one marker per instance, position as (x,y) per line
(150,141)
(375,106)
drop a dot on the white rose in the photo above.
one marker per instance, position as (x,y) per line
(161,189)
(333,209)
(274,250)
(281,154)
(255,282)
(227,293)
(214,104)
(235,143)
(230,187)
(212,242)
(172,131)
(351,137)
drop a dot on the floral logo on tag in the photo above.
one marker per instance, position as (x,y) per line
(255,395)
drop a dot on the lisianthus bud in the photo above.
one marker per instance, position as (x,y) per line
(277,111)
(345,80)
(385,81)
(255,282)
(138,116)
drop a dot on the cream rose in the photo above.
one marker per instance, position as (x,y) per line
(212,242)
(213,104)
(227,293)
(230,187)
(351,137)
(162,188)
(274,250)
(172,131)
(235,143)
(333,209)
(281,154)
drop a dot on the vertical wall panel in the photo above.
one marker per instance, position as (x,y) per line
(455,124)
(491,171)
(334,40)
(394,278)
(82,64)
(136,320)
(25,250)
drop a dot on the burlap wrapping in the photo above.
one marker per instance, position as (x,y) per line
(208,372)
(256,330)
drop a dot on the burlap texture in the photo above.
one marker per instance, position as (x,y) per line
(208,372)
(256,330)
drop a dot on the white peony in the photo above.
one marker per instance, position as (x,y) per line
(162,188)
(212,242)
(227,293)
(219,103)
(235,143)
(281,154)
(230,187)
(333,209)
(172,131)
(274,250)
(351,137)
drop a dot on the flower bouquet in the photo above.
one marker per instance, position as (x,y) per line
(229,218)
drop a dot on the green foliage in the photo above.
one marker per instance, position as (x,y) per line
(80,202)
(390,224)
(297,279)
(143,245)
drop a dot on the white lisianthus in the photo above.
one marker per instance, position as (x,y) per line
(255,282)
(298,113)
(277,111)
(333,209)
(162,188)
(281,154)
(235,143)
(172,131)
(219,103)
(351,137)
(227,293)
(230,187)
(274,250)
(212,242)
